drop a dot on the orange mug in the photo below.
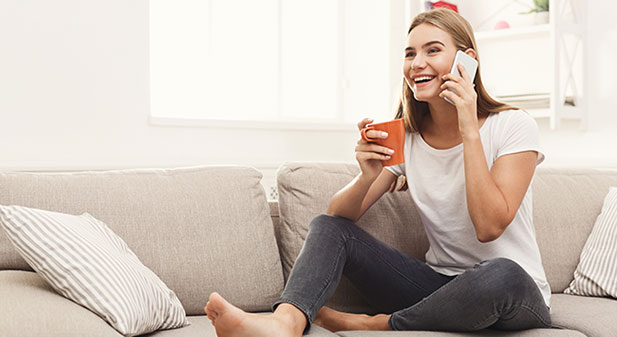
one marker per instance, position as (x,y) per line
(395,140)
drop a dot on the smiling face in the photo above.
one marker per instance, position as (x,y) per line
(429,54)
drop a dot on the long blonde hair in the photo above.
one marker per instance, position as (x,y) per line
(412,110)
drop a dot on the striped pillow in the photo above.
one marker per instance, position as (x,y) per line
(83,260)
(596,274)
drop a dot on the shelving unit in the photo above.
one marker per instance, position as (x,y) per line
(539,67)
(550,64)
(568,34)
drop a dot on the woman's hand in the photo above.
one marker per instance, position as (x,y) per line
(369,155)
(465,99)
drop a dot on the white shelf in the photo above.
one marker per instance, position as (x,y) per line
(570,112)
(517,32)
(540,113)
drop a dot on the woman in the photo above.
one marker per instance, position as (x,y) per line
(469,166)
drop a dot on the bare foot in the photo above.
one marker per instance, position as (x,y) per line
(230,321)
(334,321)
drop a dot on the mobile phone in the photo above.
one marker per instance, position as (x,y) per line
(469,63)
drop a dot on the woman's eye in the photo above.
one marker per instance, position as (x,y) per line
(410,54)
(433,50)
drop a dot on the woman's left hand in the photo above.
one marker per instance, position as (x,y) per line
(464,99)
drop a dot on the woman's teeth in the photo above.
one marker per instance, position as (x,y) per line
(423,79)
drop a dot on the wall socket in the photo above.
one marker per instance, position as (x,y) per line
(272,193)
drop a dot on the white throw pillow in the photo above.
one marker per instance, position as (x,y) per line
(85,261)
(596,273)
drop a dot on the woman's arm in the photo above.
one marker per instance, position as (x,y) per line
(359,195)
(354,199)
(494,197)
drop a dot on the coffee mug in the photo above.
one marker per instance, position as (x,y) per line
(394,141)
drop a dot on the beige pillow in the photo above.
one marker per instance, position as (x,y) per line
(83,260)
(596,274)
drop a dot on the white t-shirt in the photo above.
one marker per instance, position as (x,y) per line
(436,180)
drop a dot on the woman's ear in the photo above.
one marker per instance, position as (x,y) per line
(471,52)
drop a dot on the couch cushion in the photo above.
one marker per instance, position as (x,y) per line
(30,307)
(201,327)
(593,316)
(566,204)
(83,260)
(486,333)
(199,229)
(305,190)
(27,299)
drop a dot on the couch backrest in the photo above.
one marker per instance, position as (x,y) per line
(199,229)
(305,190)
(566,204)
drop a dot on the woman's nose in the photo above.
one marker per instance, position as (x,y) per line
(418,63)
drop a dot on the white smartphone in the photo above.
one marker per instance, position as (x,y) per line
(470,64)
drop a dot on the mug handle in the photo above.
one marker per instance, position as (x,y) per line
(363,133)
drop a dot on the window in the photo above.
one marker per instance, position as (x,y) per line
(271,61)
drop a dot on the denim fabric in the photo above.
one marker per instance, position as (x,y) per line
(497,293)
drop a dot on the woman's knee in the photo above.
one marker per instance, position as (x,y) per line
(328,223)
(509,276)
(502,264)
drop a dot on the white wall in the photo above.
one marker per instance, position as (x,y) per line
(74,94)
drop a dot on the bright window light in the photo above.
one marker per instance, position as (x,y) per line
(324,61)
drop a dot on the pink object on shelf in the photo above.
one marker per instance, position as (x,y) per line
(502,25)
(445,4)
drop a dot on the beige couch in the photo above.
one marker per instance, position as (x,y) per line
(211,228)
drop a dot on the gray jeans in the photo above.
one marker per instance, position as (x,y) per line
(495,294)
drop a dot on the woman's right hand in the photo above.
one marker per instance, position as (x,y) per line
(368,154)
